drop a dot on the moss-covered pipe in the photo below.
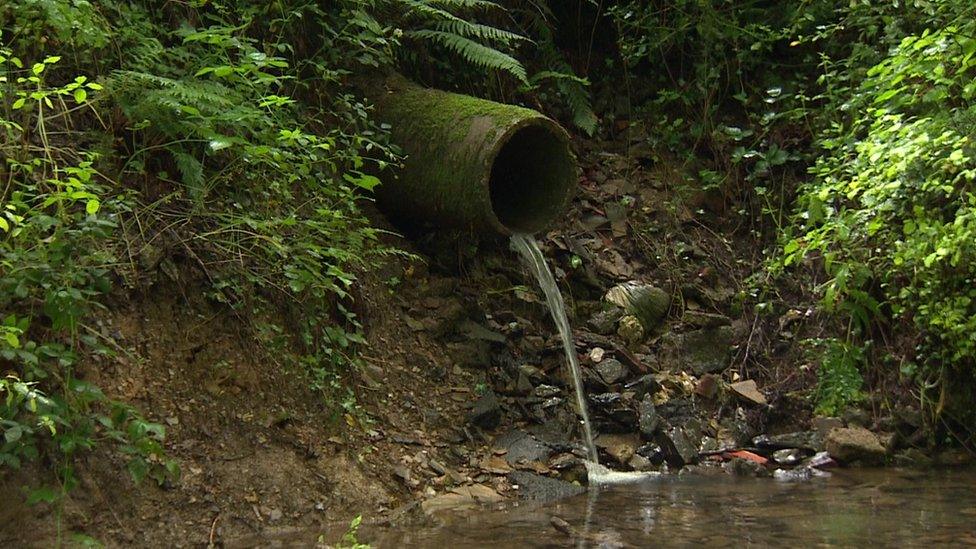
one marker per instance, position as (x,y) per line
(473,164)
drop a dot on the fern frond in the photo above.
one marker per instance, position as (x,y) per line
(191,170)
(572,88)
(578,99)
(420,7)
(474,53)
(479,31)
(484,5)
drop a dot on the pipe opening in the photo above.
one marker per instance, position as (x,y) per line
(531,179)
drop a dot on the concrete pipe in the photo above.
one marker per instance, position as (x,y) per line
(473,164)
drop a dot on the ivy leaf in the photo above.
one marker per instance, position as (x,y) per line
(80,95)
(92,206)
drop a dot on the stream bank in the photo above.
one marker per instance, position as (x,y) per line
(463,399)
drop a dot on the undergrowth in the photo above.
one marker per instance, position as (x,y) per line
(843,135)
(215,141)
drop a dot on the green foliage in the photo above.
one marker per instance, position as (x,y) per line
(228,144)
(555,70)
(839,375)
(350,538)
(474,52)
(694,63)
(55,233)
(488,48)
(440,24)
(891,212)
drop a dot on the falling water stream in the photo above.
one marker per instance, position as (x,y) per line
(526,245)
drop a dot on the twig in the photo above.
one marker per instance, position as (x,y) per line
(213,530)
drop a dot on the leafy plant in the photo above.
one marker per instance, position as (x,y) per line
(889,216)
(839,375)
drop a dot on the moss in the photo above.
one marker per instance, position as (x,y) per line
(451,142)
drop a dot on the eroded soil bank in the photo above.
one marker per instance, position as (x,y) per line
(464,399)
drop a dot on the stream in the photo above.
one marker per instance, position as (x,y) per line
(854,507)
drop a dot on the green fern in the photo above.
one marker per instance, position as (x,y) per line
(479,31)
(573,90)
(192,171)
(468,4)
(570,87)
(445,27)
(477,54)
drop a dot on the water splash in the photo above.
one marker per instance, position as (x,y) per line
(529,249)
(597,475)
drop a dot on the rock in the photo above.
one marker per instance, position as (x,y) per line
(648,303)
(531,372)
(539,488)
(821,460)
(788,456)
(523,384)
(631,330)
(645,385)
(705,351)
(486,413)
(611,370)
(596,355)
(808,440)
(653,452)
(605,322)
(647,418)
(793,475)
(856,417)
(520,446)
(748,391)
(823,425)
(605,399)
(495,465)
(678,449)
(707,386)
(747,468)
(855,445)
(473,330)
(546,391)
(462,497)
(641,463)
(620,447)
(700,319)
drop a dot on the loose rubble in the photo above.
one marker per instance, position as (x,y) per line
(661,350)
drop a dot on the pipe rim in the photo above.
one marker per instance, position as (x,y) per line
(563,195)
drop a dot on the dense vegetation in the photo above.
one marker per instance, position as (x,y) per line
(234,135)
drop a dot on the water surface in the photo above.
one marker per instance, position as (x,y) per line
(852,508)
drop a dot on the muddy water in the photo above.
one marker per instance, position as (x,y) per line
(529,249)
(853,508)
